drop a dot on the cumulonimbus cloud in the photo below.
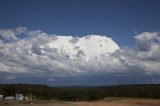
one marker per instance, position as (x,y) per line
(28,55)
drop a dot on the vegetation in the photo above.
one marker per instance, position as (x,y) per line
(82,92)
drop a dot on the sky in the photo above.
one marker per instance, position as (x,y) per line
(80,42)
(120,19)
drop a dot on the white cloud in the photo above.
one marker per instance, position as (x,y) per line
(21,30)
(7,35)
(147,40)
(31,57)
(148,46)
(34,33)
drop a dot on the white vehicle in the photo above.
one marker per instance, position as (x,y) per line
(19,97)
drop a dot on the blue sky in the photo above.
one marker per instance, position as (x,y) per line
(119,19)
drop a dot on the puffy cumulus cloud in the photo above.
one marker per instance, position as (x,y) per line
(145,58)
(147,41)
(9,35)
(31,60)
(148,45)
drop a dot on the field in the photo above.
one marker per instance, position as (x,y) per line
(106,102)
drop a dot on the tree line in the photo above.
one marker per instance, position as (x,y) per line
(82,93)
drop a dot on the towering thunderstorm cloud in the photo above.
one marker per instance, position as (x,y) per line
(28,56)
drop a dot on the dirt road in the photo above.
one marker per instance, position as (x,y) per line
(118,102)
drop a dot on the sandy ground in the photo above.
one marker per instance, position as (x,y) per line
(117,102)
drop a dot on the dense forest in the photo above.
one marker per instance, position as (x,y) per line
(74,93)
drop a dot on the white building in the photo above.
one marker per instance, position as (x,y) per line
(19,97)
(9,98)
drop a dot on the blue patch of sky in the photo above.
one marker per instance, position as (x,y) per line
(120,19)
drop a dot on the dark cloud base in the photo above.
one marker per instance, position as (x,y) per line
(93,80)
